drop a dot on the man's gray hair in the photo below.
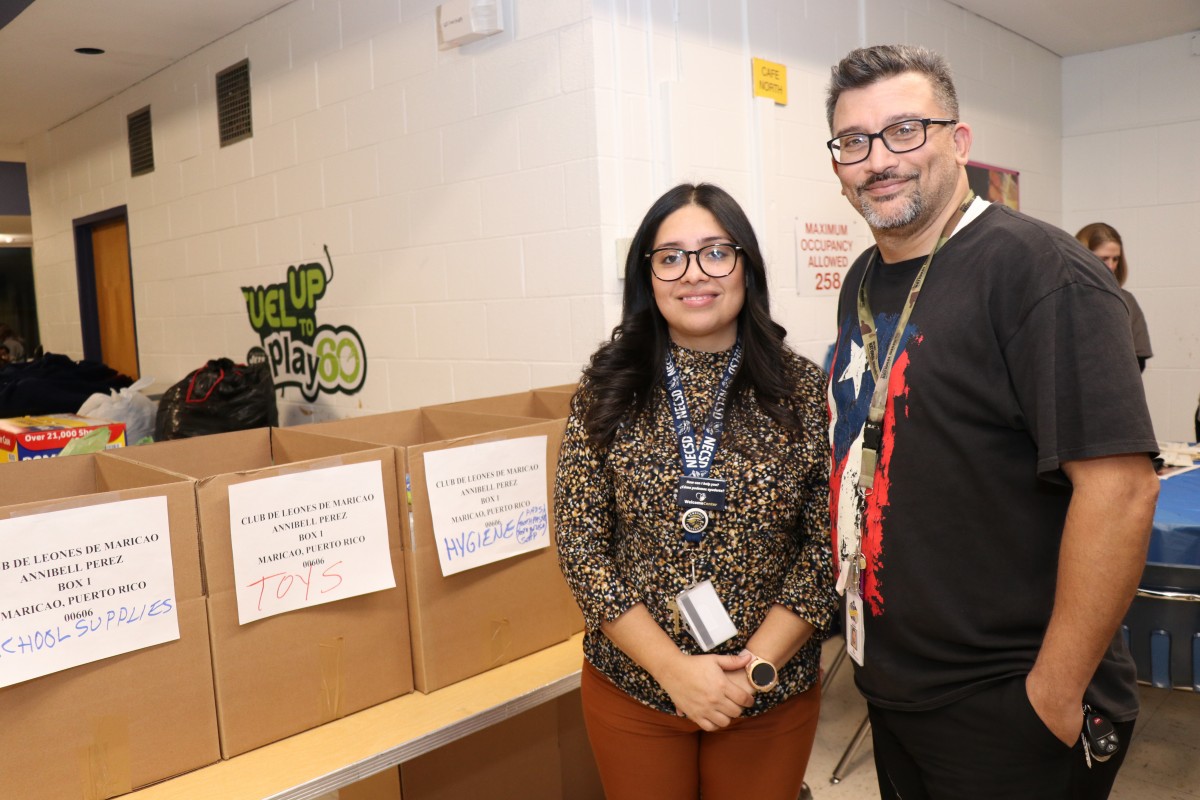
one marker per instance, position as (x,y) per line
(866,65)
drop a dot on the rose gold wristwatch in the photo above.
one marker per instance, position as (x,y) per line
(762,674)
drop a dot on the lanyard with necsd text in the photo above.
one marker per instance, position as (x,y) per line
(697,492)
(873,428)
(699,605)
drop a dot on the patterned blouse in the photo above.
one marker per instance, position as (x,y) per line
(620,540)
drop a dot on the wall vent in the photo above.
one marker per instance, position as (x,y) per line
(233,103)
(141,143)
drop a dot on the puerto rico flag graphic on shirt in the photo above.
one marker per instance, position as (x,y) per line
(850,387)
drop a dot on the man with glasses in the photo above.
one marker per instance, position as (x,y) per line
(992,486)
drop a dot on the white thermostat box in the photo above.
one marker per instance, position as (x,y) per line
(463,21)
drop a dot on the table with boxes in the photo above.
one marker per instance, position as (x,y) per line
(307,580)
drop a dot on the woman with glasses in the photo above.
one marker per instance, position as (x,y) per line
(692,510)
(1104,241)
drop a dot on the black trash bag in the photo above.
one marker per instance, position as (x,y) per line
(54,384)
(221,396)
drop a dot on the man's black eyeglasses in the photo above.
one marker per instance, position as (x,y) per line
(899,137)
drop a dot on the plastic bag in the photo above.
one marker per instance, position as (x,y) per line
(126,405)
(91,442)
(221,396)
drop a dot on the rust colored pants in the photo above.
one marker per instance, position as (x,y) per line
(644,753)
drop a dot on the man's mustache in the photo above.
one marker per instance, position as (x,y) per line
(890,175)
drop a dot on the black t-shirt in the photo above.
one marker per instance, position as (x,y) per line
(1017,357)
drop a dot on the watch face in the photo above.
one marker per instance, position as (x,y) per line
(762,674)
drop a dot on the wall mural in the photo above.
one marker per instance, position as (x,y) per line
(313,358)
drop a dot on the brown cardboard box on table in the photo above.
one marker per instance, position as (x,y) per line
(540,754)
(550,403)
(111,726)
(468,622)
(380,786)
(287,673)
(580,777)
(562,388)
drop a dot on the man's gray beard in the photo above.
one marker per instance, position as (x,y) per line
(902,218)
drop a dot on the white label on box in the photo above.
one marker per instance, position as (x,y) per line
(308,538)
(488,501)
(83,584)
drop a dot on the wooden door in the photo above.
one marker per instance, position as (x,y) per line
(114,296)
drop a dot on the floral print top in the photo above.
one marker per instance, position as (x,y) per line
(620,541)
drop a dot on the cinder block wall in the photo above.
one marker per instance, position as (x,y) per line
(1131,123)
(474,200)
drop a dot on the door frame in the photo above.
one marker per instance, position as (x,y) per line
(85,278)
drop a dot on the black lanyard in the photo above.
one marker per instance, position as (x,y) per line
(697,457)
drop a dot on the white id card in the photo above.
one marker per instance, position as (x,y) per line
(705,615)
(856,635)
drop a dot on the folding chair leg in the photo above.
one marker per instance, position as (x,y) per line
(839,771)
(834,666)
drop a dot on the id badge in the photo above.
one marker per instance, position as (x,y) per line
(856,634)
(705,615)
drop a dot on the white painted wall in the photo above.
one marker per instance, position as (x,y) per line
(675,106)
(472,199)
(1131,130)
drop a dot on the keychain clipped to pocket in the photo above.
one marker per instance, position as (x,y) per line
(1100,740)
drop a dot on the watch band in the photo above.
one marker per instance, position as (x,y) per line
(762,674)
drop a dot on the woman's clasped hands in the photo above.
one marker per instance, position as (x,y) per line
(710,690)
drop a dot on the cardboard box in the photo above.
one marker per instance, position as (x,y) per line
(550,403)
(535,755)
(30,438)
(580,777)
(568,389)
(284,674)
(111,726)
(466,623)
(380,786)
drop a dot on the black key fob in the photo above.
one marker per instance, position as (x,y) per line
(1101,736)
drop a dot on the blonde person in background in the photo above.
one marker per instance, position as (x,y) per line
(692,476)
(1104,241)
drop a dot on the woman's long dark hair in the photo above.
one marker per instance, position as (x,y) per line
(625,371)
